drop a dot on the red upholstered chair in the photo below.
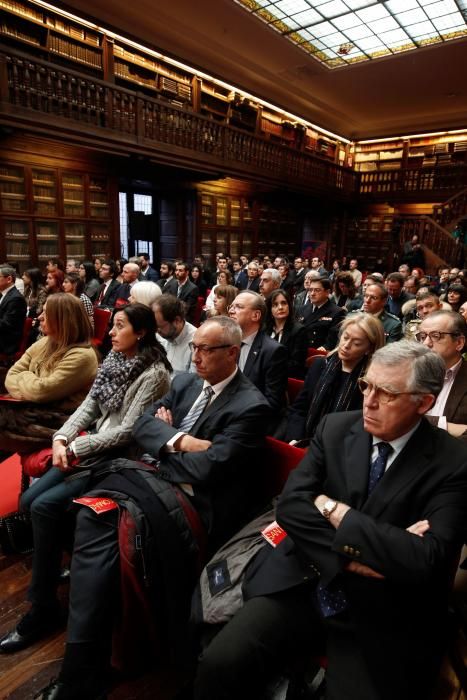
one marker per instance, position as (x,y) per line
(101,326)
(198,311)
(312,354)
(280,458)
(294,387)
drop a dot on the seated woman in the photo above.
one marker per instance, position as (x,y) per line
(196,276)
(331,382)
(72,284)
(35,292)
(281,326)
(456,296)
(88,274)
(54,282)
(224,277)
(133,376)
(344,290)
(51,379)
(224,294)
(145,292)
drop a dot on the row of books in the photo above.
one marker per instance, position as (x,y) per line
(75,51)
(22,9)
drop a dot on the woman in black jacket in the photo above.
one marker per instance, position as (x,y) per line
(281,327)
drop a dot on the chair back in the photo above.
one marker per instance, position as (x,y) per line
(101,325)
(294,387)
(280,458)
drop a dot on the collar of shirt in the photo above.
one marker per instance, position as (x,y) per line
(451,372)
(220,386)
(249,340)
(397,445)
(5,292)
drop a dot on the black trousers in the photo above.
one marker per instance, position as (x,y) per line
(94,580)
(269,635)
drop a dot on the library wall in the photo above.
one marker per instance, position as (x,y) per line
(55,201)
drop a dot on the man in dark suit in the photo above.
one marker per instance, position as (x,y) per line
(397,295)
(262,360)
(130,274)
(12,312)
(250,278)
(299,275)
(287,279)
(147,272)
(182,288)
(110,287)
(375,516)
(322,317)
(212,461)
(445,333)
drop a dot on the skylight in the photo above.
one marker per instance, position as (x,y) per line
(344,32)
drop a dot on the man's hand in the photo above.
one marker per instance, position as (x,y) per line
(59,456)
(362,570)
(164,414)
(419,528)
(188,443)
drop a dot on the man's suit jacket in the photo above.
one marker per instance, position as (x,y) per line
(266,368)
(12,317)
(322,324)
(399,621)
(287,284)
(242,284)
(188,294)
(151,275)
(111,295)
(223,476)
(455,409)
(299,280)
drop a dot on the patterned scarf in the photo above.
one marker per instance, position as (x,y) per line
(324,397)
(114,377)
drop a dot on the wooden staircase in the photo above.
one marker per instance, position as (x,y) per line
(435,232)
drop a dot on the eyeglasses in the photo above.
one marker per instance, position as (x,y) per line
(382,395)
(206,349)
(434,336)
(371,297)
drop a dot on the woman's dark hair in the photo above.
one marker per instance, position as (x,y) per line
(89,269)
(75,279)
(36,277)
(347,279)
(269,317)
(141,318)
(461,290)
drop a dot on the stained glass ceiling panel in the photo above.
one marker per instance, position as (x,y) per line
(343,32)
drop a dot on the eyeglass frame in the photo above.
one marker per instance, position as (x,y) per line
(390,396)
(434,340)
(206,349)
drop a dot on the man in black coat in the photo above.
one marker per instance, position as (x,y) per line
(322,317)
(212,462)
(262,360)
(375,517)
(182,288)
(110,287)
(12,312)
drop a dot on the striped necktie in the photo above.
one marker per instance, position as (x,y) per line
(378,466)
(196,410)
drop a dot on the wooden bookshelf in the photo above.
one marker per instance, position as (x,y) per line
(12,189)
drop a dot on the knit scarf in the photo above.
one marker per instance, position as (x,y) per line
(114,377)
(324,397)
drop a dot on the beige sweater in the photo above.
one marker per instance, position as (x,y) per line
(67,383)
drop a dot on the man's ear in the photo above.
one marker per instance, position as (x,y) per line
(426,402)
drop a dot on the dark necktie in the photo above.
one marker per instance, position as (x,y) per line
(378,467)
(196,410)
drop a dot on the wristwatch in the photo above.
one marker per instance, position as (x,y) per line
(329,508)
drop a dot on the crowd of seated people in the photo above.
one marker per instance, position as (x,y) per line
(204,434)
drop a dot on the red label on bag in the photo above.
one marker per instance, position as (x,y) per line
(274,534)
(98,505)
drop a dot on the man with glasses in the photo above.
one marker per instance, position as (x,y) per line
(205,437)
(374,301)
(250,280)
(445,332)
(375,516)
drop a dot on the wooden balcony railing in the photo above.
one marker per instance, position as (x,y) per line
(40,94)
(448,214)
(412,183)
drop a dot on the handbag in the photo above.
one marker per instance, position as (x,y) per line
(16,533)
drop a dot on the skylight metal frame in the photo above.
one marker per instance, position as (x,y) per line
(340,33)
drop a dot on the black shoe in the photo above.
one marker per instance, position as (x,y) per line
(56,690)
(32,627)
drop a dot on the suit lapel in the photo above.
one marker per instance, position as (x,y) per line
(357,449)
(407,466)
(253,354)
(457,392)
